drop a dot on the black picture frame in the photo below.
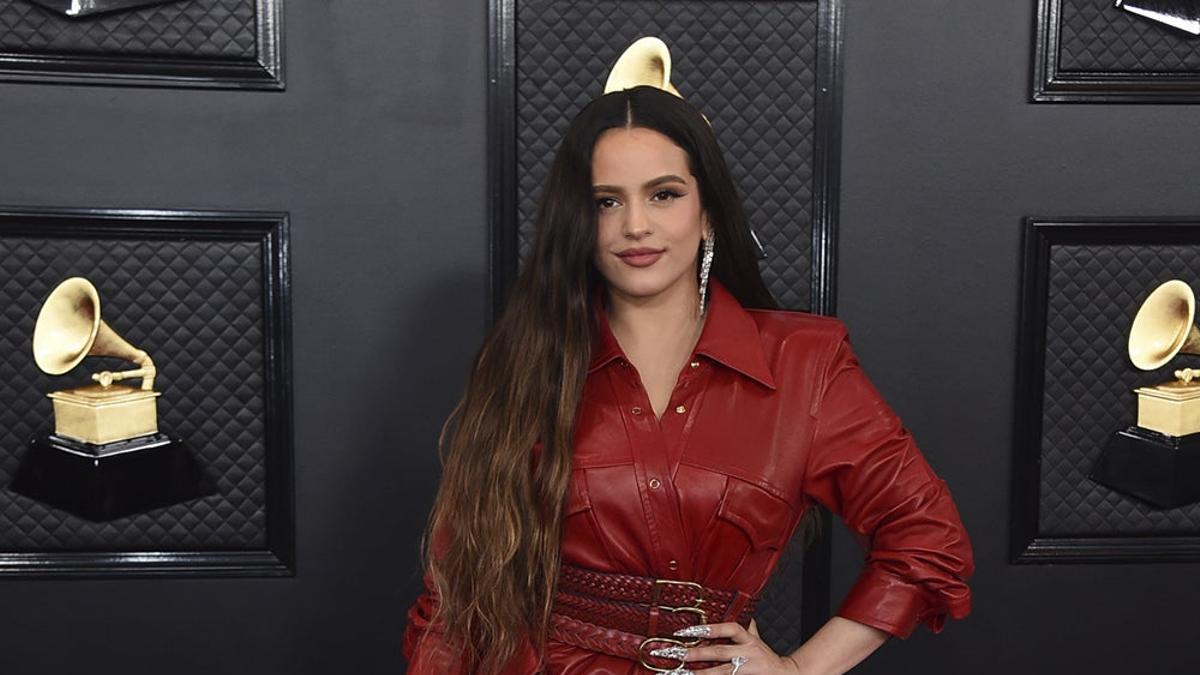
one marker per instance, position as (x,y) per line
(503,241)
(271,232)
(263,71)
(1052,83)
(1029,544)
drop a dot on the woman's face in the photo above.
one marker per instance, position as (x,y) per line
(648,214)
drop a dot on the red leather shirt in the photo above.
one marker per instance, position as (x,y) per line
(771,414)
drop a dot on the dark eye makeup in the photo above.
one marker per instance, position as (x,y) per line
(662,195)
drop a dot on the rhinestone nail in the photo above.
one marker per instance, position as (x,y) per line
(672,652)
(700,630)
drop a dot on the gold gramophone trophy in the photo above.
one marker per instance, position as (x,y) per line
(1158,460)
(100,418)
(106,456)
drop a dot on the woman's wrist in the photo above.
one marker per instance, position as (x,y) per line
(836,648)
(794,664)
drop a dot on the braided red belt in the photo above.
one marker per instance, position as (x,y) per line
(628,616)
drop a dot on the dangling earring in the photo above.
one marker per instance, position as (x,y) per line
(705,266)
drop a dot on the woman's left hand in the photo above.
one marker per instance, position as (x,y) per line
(759,659)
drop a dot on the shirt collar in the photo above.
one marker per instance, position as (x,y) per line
(729,337)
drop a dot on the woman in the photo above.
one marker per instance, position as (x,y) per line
(680,426)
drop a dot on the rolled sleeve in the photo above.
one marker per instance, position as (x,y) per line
(427,650)
(424,649)
(864,466)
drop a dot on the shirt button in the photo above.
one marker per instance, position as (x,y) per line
(680,409)
(672,565)
(655,483)
(636,410)
(694,364)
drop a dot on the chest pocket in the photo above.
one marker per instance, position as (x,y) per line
(577,500)
(746,537)
(766,521)
(582,542)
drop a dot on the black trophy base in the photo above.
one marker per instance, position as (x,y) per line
(1159,469)
(102,483)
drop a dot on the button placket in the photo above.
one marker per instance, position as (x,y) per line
(651,442)
(676,415)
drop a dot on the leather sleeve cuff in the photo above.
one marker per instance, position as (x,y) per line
(886,602)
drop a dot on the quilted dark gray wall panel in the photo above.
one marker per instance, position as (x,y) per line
(750,66)
(180,43)
(1098,36)
(1094,291)
(1093,51)
(223,28)
(197,308)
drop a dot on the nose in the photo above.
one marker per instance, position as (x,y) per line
(637,222)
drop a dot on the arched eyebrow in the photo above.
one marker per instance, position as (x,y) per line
(661,180)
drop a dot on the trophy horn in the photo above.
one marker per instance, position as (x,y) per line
(69,328)
(1164,326)
(645,62)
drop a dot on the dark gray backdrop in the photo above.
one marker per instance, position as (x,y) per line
(377,149)
(942,157)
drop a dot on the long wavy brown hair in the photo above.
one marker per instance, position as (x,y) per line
(493,538)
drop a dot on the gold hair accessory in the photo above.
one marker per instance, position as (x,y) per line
(646,62)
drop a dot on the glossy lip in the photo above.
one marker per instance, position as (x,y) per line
(640,257)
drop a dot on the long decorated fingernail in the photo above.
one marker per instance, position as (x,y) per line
(672,652)
(699,630)
(680,671)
